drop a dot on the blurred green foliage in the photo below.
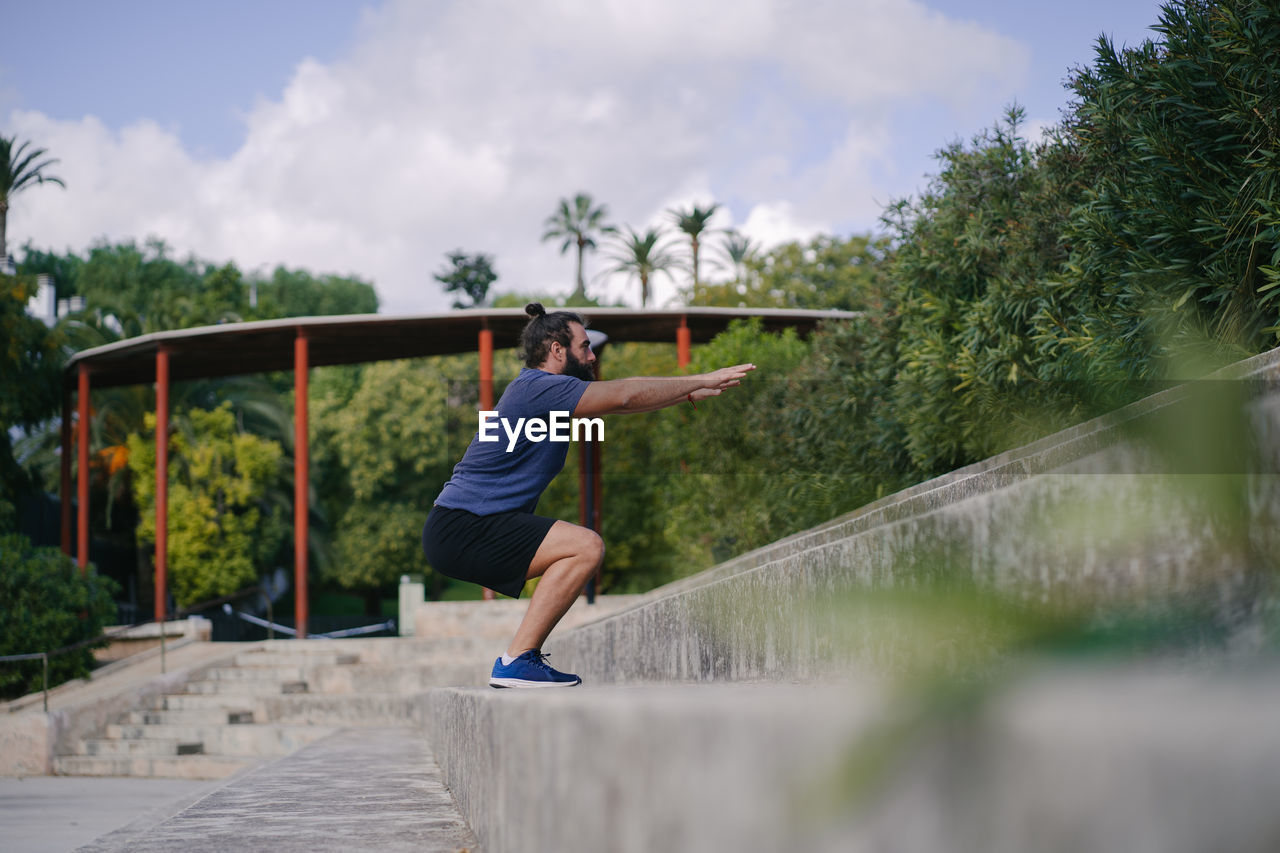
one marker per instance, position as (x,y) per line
(46,603)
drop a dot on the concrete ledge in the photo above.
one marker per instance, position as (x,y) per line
(638,768)
(1092,516)
(141,638)
(1085,759)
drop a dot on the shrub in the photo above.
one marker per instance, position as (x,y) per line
(46,603)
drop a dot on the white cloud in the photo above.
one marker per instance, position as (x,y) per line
(775,222)
(461,124)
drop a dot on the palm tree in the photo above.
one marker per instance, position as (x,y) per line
(735,252)
(576,223)
(18,171)
(641,256)
(693,222)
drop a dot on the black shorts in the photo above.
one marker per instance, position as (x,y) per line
(491,550)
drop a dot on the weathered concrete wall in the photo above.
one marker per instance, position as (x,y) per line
(1073,759)
(1137,510)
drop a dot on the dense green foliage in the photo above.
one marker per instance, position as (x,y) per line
(227,510)
(47,603)
(386,442)
(31,361)
(147,290)
(1176,246)
(968,281)
(1030,286)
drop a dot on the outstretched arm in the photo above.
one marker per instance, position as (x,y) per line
(647,394)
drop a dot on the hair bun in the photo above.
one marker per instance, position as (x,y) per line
(535,309)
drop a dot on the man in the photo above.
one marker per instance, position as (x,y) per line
(482,527)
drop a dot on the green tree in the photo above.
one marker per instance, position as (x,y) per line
(388,442)
(734,478)
(577,223)
(19,170)
(469,276)
(975,255)
(736,252)
(31,361)
(1174,246)
(693,222)
(825,273)
(298,293)
(143,288)
(641,255)
(63,269)
(46,603)
(224,531)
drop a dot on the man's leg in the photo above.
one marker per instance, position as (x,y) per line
(567,558)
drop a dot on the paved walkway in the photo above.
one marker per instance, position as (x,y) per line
(57,814)
(359,789)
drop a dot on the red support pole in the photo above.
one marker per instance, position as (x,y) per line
(82,474)
(486,369)
(683,340)
(486,397)
(162,483)
(301,490)
(65,462)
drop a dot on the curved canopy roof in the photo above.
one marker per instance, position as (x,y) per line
(237,348)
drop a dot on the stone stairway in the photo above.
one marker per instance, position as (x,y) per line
(270,700)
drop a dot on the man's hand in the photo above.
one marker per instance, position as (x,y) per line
(718,381)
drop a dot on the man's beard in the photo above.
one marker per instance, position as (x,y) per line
(574,367)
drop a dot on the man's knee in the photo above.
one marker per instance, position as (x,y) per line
(591,548)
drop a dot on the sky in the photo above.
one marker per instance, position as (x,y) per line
(372,137)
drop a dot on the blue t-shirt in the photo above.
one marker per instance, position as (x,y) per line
(489,479)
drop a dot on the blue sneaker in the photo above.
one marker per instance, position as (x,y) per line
(530,670)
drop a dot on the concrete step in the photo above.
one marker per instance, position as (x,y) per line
(368,709)
(141,744)
(165,767)
(240,740)
(397,677)
(387,650)
(241,672)
(289,655)
(402,676)
(206,702)
(356,709)
(245,688)
(210,717)
(1095,757)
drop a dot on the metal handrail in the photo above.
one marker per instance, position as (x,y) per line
(389,625)
(109,635)
(227,599)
